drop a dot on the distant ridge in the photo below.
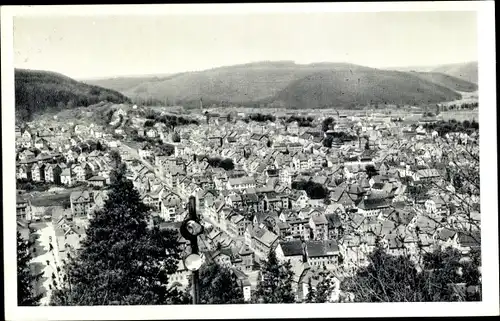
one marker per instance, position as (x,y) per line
(467,71)
(285,83)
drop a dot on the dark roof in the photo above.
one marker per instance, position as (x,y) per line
(292,248)
(96,178)
(321,248)
(373,203)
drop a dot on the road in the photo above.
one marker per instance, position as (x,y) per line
(133,152)
(46,235)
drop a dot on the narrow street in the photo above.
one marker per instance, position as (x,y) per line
(45,236)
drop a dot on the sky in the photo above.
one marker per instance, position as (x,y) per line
(84,47)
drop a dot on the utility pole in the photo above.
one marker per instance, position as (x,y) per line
(190,230)
(194,250)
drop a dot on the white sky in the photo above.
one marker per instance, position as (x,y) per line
(101,46)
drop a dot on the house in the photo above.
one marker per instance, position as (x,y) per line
(68,237)
(247,257)
(49,173)
(151,133)
(67,177)
(145,152)
(237,224)
(24,172)
(82,158)
(40,143)
(240,183)
(244,282)
(26,135)
(82,173)
(301,162)
(97,181)
(81,202)
(322,253)
(180,278)
(299,227)
(431,174)
(26,154)
(170,204)
(23,208)
(299,199)
(292,251)
(263,241)
(38,172)
(372,206)
(319,227)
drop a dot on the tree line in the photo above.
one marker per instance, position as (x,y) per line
(171,121)
(453,126)
(258,117)
(302,121)
(314,190)
(225,163)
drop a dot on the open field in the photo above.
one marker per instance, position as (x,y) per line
(52,198)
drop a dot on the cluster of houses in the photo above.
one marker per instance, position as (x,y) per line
(253,209)
(62,161)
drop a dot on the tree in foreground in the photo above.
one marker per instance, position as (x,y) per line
(26,280)
(121,260)
(324,287)
(386,279)
(391,278)
(276,283)
(218,285)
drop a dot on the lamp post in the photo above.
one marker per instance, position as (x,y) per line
(190,230)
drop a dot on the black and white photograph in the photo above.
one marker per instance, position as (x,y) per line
(250,160)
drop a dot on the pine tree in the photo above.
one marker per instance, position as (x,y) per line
(26,280)
(276,283)
(121,260)
(219,285)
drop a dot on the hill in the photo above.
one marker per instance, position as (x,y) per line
(466,71)
(350,88)
(454,83)
(123,83)
(287,83)
(38,91)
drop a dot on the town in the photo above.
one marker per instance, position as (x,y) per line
(320,189)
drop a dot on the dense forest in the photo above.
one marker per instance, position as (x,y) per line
(40,91)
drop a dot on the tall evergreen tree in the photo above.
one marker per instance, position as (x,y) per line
(26,280)
(121,260)
(276,283)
